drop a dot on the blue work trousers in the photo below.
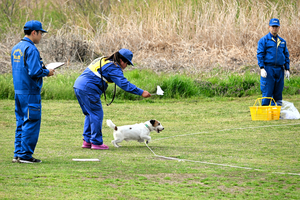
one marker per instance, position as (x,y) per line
(28,111)
(272,85)
(91,106)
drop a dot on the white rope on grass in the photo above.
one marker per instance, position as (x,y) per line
(218,164)
(231,129)
(86,160)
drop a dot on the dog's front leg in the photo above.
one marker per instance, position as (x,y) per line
(140,140)
(147,138)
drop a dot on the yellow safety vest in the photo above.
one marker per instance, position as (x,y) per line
(95,65)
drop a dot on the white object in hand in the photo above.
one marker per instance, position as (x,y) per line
(54,65)
(159,91)
(263,73)
(287,74)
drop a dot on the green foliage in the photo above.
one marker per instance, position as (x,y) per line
(59,87)
(292,86)
(233,85)
(143,79)
(6,87)
(175,86)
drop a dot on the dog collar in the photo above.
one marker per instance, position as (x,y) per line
(148,127)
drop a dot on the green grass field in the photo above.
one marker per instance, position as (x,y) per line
(212,130)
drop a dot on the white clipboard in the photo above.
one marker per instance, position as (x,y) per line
(55,65)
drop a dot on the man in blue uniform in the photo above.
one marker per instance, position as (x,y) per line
(273,60)
(89,87)
(28,70)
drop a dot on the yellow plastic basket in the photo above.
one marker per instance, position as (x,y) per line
(265,113)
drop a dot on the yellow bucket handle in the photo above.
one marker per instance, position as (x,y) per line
(264,98)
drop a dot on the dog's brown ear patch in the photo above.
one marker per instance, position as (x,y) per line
(116,128)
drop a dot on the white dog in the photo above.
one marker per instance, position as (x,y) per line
(139,132)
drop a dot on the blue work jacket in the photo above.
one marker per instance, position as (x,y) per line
(272,53)
(92,83)
(27,68)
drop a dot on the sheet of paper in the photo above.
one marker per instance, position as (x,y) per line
(159,91)
(55,65)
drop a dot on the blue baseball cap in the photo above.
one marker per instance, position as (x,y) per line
(274,22)
(127,54)
(34,26)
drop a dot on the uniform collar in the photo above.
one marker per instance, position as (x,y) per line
(27,40)
(270,36)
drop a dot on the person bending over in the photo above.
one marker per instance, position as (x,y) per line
(89,87)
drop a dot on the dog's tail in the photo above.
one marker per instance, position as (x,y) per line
(111,125)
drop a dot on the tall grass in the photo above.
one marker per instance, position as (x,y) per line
(7,87)
(183,36)
(175,86)
(59,87)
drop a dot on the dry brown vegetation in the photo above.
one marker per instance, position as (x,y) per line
(171,36)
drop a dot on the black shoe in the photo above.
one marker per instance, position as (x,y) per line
(15,160)
(32,160)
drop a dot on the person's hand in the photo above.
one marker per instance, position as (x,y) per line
(51,72)
(146,94)
(263,73)
(287,74)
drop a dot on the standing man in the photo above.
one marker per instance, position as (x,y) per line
(28,70)
(273,60)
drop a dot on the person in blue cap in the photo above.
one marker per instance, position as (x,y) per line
(89,87)
(28,73)
(273,60)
